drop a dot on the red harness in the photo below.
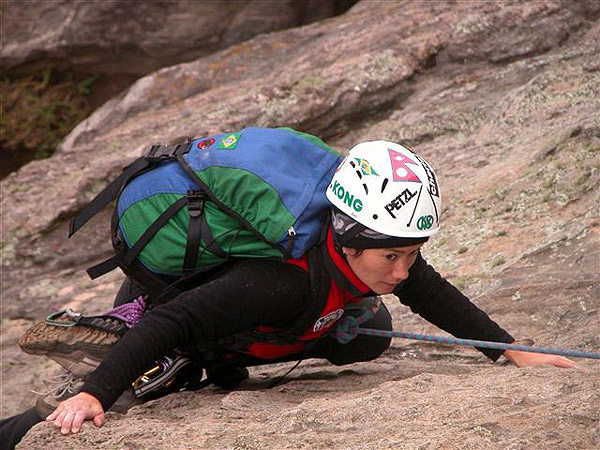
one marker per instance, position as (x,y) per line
(334,308)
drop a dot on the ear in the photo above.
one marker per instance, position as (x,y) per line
(350,251)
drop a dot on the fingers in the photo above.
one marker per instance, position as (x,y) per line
(565,363)
(55,413)
(70,414)
(526,359)
(99,420)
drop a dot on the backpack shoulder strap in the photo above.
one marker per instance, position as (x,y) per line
(320,283)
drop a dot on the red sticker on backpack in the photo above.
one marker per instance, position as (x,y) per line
(206,143)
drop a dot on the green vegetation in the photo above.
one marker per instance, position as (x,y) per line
(38,111)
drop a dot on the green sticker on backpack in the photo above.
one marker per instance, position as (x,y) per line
(229,142)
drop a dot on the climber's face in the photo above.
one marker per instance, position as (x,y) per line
(382,269)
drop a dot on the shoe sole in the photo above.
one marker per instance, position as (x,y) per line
(78,349)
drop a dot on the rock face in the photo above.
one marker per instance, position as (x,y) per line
(503,100)
(135,38)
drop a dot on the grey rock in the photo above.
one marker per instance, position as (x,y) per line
(509,83)
(135,38)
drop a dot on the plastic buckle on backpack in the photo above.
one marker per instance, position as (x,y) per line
(195,202)
(159,152)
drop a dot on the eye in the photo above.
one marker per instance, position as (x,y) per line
(413,255)
(391,257)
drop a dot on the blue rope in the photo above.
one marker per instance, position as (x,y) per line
(348,328)
(481,344)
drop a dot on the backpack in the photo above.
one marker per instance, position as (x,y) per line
(186,209)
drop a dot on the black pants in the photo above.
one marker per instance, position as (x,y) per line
(14,428)
(361,348)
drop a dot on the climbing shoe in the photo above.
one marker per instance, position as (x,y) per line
(78,343)
(170,374)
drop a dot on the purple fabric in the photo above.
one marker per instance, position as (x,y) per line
(131,312)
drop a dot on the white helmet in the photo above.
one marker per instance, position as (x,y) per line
(388,189)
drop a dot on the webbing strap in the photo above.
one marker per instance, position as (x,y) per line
(319,286)
(336,273)
(195,207)
(104,267)
(209,240)
(223,207)
(156,154)
(126,257)
(107,194)
(153,229)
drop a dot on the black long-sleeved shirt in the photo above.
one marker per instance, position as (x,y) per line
(266,292)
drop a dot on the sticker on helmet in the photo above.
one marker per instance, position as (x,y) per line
(346,197)
(400,169)
(433,186)
(425,222)
(400,201)
(365,167)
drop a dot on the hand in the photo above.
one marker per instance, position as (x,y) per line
(529,359)
(70,414)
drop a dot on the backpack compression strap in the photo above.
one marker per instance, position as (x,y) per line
(156,155)
(197,229)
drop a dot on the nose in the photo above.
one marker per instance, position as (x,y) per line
(400,269)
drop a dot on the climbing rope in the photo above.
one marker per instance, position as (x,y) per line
(481,344)
(349,327)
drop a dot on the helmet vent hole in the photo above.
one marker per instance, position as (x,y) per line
(375,216)
(359,174)
(352,164)
(366,189)
(383,185)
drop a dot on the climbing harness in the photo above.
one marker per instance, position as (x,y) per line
(349,327)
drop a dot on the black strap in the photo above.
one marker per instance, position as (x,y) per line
(222,207)
(126,257)
(162,152)
(209,240)
(130,255)
(334,272)
(104,267)
(156,155)
(107,194)
(195,204)
(319,285)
